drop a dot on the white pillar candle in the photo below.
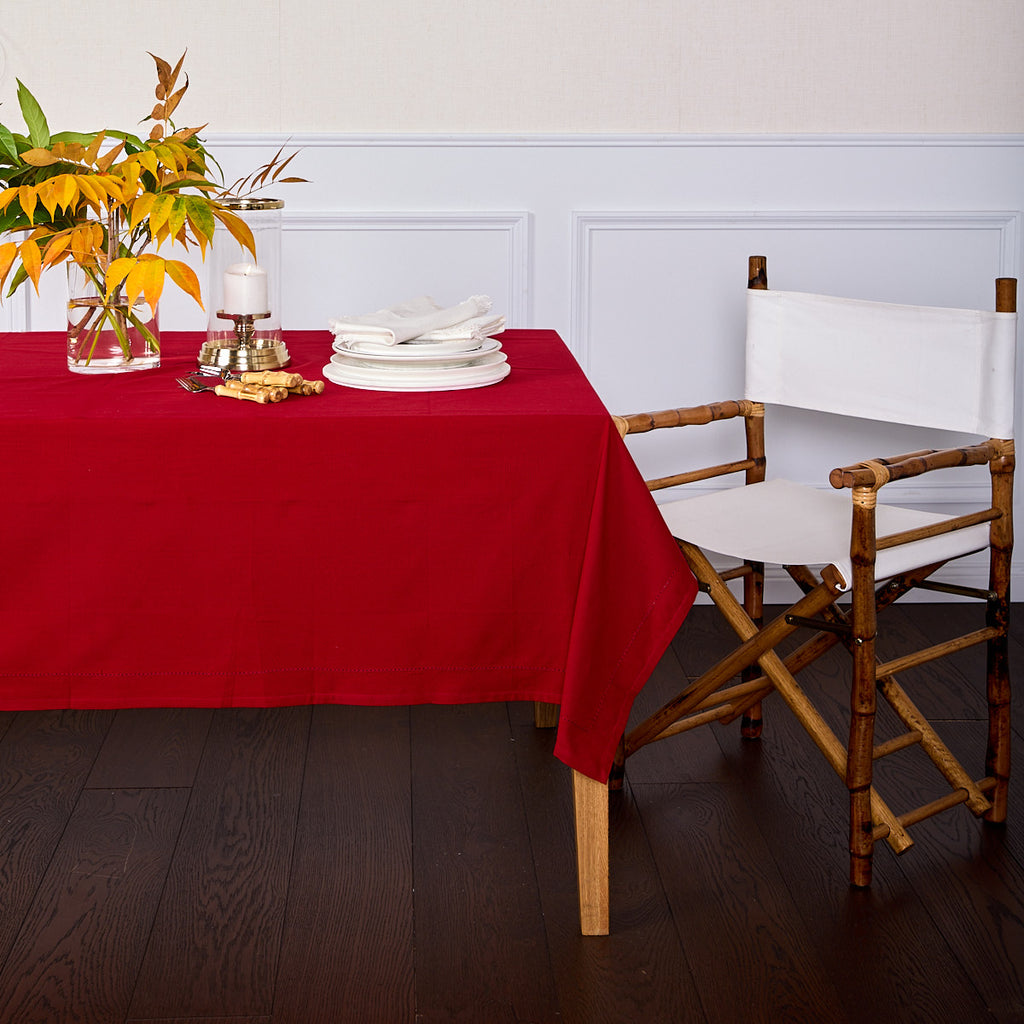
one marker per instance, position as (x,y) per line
(245,289)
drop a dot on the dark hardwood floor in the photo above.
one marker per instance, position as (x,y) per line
(397,865)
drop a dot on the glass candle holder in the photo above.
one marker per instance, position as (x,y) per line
(264,219)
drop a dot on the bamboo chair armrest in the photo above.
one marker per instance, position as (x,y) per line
(698,415)
(875,473)
(688,416)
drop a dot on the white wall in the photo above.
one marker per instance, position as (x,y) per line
(662,66)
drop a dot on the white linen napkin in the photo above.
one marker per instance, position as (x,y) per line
(477,327)
(408,319)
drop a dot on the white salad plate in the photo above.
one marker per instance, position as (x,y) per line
(417,348)
(488,370)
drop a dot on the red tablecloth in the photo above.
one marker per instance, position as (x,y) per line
(168,549)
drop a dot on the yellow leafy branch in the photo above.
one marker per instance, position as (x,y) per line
(158,190)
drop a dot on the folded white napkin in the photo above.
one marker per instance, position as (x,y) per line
(408,319)
(479,327)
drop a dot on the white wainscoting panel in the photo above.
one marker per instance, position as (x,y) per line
(393,256)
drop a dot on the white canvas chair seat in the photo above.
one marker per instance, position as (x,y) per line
(800,525)
(953,370)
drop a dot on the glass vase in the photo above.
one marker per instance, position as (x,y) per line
(108,335)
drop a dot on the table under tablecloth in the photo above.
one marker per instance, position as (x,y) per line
(358,547)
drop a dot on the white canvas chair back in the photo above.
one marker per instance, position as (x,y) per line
(951,369)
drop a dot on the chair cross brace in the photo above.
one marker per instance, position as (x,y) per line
(956,589)
(842,628)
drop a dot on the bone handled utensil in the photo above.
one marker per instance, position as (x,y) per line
(271,377)
(248,392)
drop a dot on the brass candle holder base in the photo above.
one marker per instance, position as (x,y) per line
(244,352)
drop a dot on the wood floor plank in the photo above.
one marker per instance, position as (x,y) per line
(216,940)
(80,947)
(151,748)
(638,972)
(45,757)
(348,940)
(688,758)
(940,620)
(971,880)
(751,955)
(207,1020)
(481,952)
(879,946)
(950,687)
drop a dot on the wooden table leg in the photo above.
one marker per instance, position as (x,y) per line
(590,799)
(545,716)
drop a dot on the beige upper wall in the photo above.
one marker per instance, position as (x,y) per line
(560,66)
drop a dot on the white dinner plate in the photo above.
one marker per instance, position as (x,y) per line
(437,379)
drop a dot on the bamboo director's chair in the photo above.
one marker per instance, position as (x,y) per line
(939,368)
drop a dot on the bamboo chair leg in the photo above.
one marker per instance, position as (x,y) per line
(590,800)
(752,722)
(863,696)
(997,757)
(860,761)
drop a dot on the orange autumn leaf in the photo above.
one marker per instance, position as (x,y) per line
(66,189)
(117,272)
(8,254)
(27,198)
(185,278)
(31,260)
(55,251)
(39,157)
(105,162)
(146,278)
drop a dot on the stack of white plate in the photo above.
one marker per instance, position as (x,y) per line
(418,365)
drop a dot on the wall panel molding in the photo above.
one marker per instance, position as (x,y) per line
(515,226)
(14,312)
(610,140)
(585,225)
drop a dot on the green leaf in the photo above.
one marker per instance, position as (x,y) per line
(35,119)
(84,138)
(7,143)
(19,278)
(201,218)
(132,143)
(13,218)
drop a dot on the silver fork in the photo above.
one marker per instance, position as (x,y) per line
(263,396)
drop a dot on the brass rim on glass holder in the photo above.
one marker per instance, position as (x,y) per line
(252,203)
